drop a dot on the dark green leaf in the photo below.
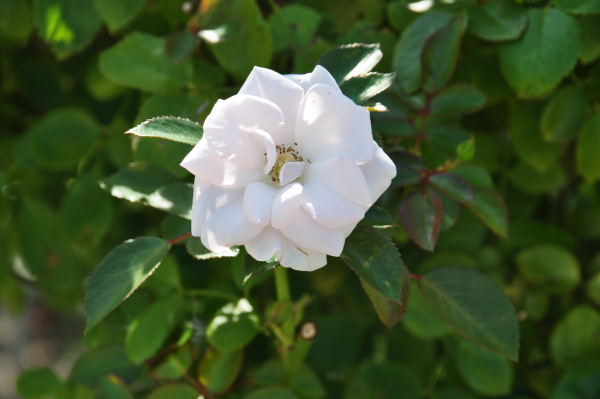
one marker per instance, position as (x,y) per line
(497,20)
(475,306)
(118,14)
(271,393)
(375,258)
(545,54)
(490,208)
(175,365)
(588,142)
(575,337)
(421,216)
(218,370)
(362,87)
(409,49)
(563,115)
(304,383)
(420,318)
(452,185)
(37,383)
(590,45)
(170,128)
(120,273)
(390,312)
(233,327)
(93,365)
(550,267)
(139,61)
(532,181)
(111,387)
(293,26)
(174,391)
(457,99)
(15,19)
(350,60)
(386,380)
(579,6)
(409,168)
(487,373)
(179,46)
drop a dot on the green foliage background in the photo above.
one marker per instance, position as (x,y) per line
(493,121)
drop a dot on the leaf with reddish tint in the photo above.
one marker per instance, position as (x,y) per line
(421,216)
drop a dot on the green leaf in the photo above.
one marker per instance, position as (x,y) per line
(194,248)
(66,26)
(15,19)
(362,87)
(233,326)
(532,181)
(111,360)
(218,370)
(86,211)
(490,208)
(175,365)
(592,288)
(111,387)
(409,49)
(337,345)
(421,216)
(375,258)
(179,46)
(440,53)
(293,26)
(139,61)
(271,393)
(457,99)
(562,116)
(475,306)
(497,20)
(579,6)
(526,137)
(575,337)
(420,319)
(147,333)
(588,161)
(350,60)
(390,312)
(40,382)
(550,267)
(170,128)
(174,391)
(452,185)
(304,382)
(62,138)
(181,105)
(590,45)
(118,14)
(409,168)
(120,273)
(385,380)
(485,372)
(545,54)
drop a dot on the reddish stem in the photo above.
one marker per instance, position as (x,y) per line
(415,277)
(177,240)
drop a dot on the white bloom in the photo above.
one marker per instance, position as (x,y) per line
(286,167)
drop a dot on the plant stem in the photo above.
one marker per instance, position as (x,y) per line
(281,284)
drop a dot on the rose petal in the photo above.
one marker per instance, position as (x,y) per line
(329,124)
(341,175)
(290,171)
(286,202)
(265,83)
(300,259)
(266,245)
(379,172)
(219,172)
(306,233)
(330,209)
(258,201)
(318,75)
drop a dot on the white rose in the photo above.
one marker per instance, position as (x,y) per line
(287,167)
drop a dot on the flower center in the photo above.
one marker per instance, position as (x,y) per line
(284,155)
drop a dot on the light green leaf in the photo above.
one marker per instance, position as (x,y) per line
(497,20)
(487,373)
(362,87)
(111,387)
(218,370)
(575,337)
(171,128)
(409,49)
(374,257)
(475,306)
(175,365)
(293,26)
(120,273)
(563,115)
(147,333)
(93,365)
(350,60)
(67,26)
(457,99)
(588,142)
(62,138)
(545,54)
(579,6)
(38,383)
(233,326)
(174,391)
(552,268)
(139,61)
(118,14)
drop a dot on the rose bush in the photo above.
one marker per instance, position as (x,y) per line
(286,167)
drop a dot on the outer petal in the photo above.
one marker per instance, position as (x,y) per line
(329,124)
(266,245)
(301,259)
(258,201)
(341,175)
(318,75)
(329,209)
(379,172)
(286,94)
(286,202)
(219,172)
(231,128)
